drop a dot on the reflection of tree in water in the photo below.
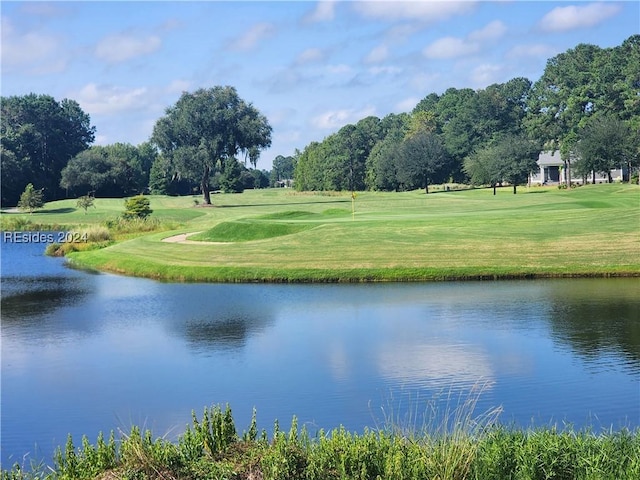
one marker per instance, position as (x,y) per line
(32,297)
(598,321)
(224,332)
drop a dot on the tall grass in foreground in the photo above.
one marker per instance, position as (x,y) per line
(463,446)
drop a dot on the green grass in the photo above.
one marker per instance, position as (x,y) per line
(279,235)
(247,231)
(473,448)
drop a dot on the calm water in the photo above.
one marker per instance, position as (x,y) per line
(83,353)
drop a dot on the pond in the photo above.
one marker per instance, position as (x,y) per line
(85,352)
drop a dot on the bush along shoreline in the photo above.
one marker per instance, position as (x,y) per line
(462,447)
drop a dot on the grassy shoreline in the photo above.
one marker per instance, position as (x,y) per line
(283,236)
(243,275)
(465,446)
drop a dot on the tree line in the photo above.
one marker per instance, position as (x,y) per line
(586,105)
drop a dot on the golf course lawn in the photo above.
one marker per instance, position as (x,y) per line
(279,235)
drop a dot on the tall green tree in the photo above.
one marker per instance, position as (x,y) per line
(231,178)
(468,119)
(309,172)
(581,82)
(507,158)
(484,167)
(208,128)
(422,159)
(606,143)
(520,156)
(116,170)
(283,168)
(382,173)
(38,136)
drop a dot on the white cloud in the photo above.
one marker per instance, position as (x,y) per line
(334,119)
(377,54)
(324,11)
(573,16)
(123,46)
(310,55)
(486,74)
(450,47)
(108,99)
(178,86)
(35,53)
(455,47)
(422,10)
(492,31)
(253,36)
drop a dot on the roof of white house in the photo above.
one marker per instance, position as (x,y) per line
(550,159)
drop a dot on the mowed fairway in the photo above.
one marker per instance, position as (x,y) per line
(285,236)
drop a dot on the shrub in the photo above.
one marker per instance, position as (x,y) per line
(137,207)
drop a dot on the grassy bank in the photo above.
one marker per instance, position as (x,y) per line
(473,448)
(278,235)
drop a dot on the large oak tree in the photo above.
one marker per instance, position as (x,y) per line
(207,129)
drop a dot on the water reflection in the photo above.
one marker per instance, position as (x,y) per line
(599,322)
(27,299)
(435,365)
(228,333)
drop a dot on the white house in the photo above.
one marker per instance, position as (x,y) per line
(552,172)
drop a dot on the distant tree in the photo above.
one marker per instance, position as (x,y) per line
(421,121)
(89,170)
(508,158)
(31,199)
(582,82)
(85,202)
(38,136)
(606,143)
(231,177)
(484,167)
(115,170)
(283,168)
(381,163)
(520,157)
(309,172)
(260,178)
(137,207)
(208,129)
(467,119)
(422,159)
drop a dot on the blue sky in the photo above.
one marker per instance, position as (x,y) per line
(310,67)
